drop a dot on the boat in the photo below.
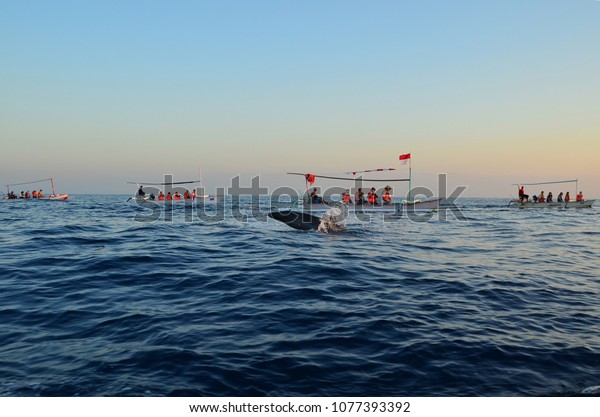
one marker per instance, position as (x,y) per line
(10,195)
(175,198)
(525,202)
(301,214)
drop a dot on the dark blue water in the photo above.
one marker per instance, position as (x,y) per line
(94,303)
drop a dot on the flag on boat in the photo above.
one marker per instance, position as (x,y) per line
(404,158)
(310,178)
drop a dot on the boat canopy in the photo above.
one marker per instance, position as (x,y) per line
(31,182)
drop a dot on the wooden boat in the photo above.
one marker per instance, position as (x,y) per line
(553,204)
(528,203)
(151,198)
(51,197)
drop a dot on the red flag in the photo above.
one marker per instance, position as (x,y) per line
(310,178)
(404,157)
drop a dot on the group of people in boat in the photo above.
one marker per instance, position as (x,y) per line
(359,197)
(187,195)
(542,198)
(25,194)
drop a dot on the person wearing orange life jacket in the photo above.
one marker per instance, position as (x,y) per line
(34,194)
(387,198)
(193,195)
(40,195)
(27,195)
(372,197)
(169,196)
(579,196)
(177,196)
(346,197)
(186,195)
(541,198)
(161,196)
(567,197)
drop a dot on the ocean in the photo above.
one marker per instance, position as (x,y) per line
(96,303)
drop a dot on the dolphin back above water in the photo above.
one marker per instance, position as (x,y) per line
(297,220)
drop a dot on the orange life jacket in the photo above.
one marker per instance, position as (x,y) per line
(346,198)
(161,198)
(34,194)
(387,198)
(371,198)
(169,197)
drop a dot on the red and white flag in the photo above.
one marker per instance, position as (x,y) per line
(404,158)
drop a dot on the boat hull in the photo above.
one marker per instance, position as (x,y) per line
(554,204)
(427,205)
(51,197)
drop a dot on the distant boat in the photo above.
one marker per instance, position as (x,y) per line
(188,198)
(530,203)
(10,195)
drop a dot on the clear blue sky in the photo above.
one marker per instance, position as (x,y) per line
(96,93)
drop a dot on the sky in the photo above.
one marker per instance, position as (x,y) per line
(491,93)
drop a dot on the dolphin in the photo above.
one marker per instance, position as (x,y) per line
(297,220)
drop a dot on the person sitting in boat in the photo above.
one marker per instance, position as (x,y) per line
(522,196)
(534,198)
(34,194)
(314,197)
(387,198)
(549,198)
(541,198)
(579,196)
(567,197)
(372,197)
(560,197)
(161,196)
(169,196)
(40,195)
(186,195)
(360,196)
(177,196)
(193,195)
(27,195)
(141,191)
(22,195)
(346,197)
(12,195)
(152,197)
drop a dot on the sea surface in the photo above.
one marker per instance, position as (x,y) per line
(95,301)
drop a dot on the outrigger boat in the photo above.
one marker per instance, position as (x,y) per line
(527,203)
(179,198)
(307,214)
(52,197)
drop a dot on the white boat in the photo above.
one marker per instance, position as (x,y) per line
(175,198)
(526,202)
(51,197)
(553,204)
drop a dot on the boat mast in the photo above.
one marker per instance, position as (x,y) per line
(409,177)
(52,183)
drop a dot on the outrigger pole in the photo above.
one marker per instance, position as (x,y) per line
(576,181)
(163,183)
(351,179)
